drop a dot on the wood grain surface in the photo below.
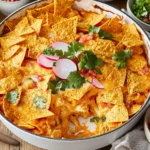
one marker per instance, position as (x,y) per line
(23,145)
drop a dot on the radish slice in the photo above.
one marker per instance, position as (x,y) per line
(97,84)
(60,46)
(52,57)
(44,62)
(63,68)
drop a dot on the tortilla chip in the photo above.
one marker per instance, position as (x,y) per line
(15,80)
(137,83)
(89,19)
(77,94)
(90,45)
(134,109)
(8,53)
(131,40)
(12,23)
(112,26)
(104,48)
(131,28)
(34,22)
(118,113)
(10,40)
(17,59)
(137,62)
(23,27)
(43,85)
(116,78)
(120,46)
(68,26)
(59,4)
(37,49)
(114,96)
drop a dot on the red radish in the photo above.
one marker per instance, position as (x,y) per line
(97,84)
(60,46)
(64,67)
(44,62)
(52,57)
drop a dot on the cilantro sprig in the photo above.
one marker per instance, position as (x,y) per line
(12,97)
(39,102)
(98,119)
(101,33)
(122,58)
(90,61)
(74,80)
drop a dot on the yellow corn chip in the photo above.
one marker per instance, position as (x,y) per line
(68,26)
(112,26)
(17,59)
(10,40)
(131,40)
(134,109)
(37,49)
(8,53)
(23,27)
(34,22)
(59,4)
(114,96)
(104,48)
(118,113)
(137,83)
(77,94)
(137,63)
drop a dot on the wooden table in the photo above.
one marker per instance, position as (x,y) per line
(25,146)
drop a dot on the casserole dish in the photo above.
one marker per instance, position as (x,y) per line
(86,143)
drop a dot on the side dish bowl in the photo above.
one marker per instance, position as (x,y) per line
(143,24)
(85,143)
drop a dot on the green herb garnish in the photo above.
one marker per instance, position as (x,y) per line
(90,61)
(12,97)
(122,58)
(50,51)
(102,34)
(39,102)
(98,119)
(74,50)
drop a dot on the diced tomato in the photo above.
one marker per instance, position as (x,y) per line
(103,105)
(145,70)
(85,38)
(1,97)
(37,78)
(92,73)
(84,71)
(92,98)
(128,104)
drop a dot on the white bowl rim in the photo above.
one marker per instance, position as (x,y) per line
(81,139)
(146,24)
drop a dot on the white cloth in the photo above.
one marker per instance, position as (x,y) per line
(134,140)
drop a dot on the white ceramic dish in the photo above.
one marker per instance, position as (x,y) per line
(146,128)
(143,24)
(8,7)
(86,143)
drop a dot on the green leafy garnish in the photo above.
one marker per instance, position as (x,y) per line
(50,51)
(54,64)
(12,97)
(75,80)
(74,50)
(98,119)
(90,61)
(102,34)
(122,58)
(93,29)
(39,102)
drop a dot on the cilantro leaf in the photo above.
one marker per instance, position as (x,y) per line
(52,86)
(74,50)
(93,29)
(39,102)
(51,51)
(12,97)
(90,61)
(122,58)
(75,80)
(104,35)
(98,119)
